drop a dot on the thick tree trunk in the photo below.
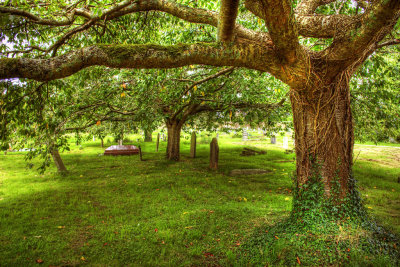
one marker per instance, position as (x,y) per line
(147,136)
(324,142)
(174,135)
(58,161)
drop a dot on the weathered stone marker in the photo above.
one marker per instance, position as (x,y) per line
(273,139)
(140,153)
(158,141)
(245,135)
(285,142)
(193,145)
(214,153)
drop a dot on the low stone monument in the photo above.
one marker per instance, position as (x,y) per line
(214,153)
(245,135)
(285,142)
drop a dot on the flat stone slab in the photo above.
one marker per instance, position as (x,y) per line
(119,150)
(237,172)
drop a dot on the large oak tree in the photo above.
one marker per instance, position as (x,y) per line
(314,46)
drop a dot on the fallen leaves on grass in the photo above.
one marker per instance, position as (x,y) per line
(40,261)
(208,254)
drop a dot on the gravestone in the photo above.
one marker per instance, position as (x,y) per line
(245,135)
(193,145)
(273,139)
(214,153)
(285,142)
(94,139)
(158,141)
(140,153)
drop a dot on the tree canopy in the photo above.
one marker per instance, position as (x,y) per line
(313,46)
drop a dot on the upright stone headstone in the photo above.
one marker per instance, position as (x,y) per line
(140,153)
(245,135)
(285,142)
(193,145)
(158,141)
(214,153)
(273,139)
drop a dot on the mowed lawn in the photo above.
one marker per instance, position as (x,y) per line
(122,211)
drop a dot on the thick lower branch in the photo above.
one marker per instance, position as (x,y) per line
(142,56)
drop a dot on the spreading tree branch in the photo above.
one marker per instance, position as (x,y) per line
(357,43)
(227,20)
(141,56)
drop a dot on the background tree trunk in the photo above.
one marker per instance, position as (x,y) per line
(324,138)
(147,136)
(58,161)
(158,141)
(102,142)
(193,145)
(174,135)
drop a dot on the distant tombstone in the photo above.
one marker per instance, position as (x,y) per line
(158,141)
(214,153)
(163,137)
(273,139)
(94,139)
(193,145)
(140,153)
(245,135)
(285,142)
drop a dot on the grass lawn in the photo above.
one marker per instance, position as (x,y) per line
(113,211)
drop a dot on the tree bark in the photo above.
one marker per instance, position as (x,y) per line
(58,161)
(324,139)
(174,134)
(158,141)
(147,136)
(193,145)
(102,142)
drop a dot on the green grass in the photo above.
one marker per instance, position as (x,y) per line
(116,211)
